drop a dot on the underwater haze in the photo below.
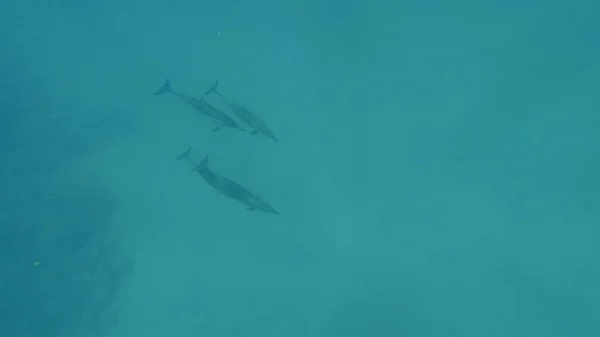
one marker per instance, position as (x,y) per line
(436,169)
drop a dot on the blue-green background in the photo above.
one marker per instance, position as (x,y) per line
(437,172)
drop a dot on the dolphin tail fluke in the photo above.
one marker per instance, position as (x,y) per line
(186,154)
(213,89)
(203,165)
(165,88)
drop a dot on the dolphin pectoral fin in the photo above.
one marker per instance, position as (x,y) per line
(254,133)
(217,128)
(251,209)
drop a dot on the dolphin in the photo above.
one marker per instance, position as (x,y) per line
(248,117)
(215,115)
(228,187)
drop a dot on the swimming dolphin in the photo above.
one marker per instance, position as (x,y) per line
(215,115)
(228,187)
(257,125)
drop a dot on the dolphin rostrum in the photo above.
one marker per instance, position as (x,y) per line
(248,117)
(226,186)
(215,115)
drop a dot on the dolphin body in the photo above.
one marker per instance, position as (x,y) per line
(247,116)
(215,115)
(228,187)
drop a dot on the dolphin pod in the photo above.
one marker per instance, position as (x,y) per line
(217,116)
(256,126)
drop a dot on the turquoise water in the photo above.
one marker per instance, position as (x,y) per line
(436,170)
